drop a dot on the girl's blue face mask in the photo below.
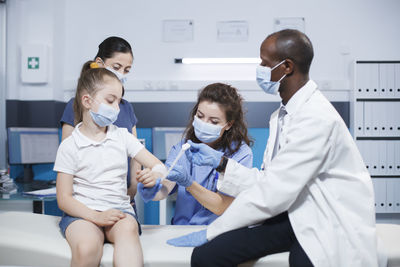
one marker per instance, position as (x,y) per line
(105,116)
(264,79)
(206,132)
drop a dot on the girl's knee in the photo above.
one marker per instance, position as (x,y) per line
(88,251)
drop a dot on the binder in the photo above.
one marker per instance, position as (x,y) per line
(359,118)
(396,107)
(390,68)
(397,81)
(375,117)
(397,157)
(382,158)
(397,195)
(380,194)
(367,119)
(390,154)
(373,80)
(391,194)
(361,80)
(390,119)
(374,154)
(366,155)
(381,119)
(382,80)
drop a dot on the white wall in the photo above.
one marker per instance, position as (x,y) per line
(366,29)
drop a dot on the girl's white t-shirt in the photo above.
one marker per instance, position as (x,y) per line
(99,168)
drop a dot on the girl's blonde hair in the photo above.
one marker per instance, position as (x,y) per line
(90,82)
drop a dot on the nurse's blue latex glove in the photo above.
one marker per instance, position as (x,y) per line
(202,154)
(148,193)
(194,239)
(180,176)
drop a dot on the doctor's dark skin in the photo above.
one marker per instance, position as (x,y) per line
(294,79)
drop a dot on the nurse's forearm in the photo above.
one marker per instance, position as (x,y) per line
(215,202)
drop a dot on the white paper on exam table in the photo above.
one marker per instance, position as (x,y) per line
(50,192)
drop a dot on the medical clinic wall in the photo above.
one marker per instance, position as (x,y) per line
(340,30)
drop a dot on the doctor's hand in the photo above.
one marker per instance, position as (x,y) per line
(202,154)
(194,239)
(148,193)
(180,176)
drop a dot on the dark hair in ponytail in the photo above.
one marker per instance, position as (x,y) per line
(112,45)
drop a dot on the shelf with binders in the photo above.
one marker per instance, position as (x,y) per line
(376,128)
(379,80)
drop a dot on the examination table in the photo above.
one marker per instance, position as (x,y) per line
(28,239)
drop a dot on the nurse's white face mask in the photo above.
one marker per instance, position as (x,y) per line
(206,132)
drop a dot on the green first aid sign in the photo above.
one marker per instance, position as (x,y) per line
(33,62)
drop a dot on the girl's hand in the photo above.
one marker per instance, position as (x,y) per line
(108,217)
(148,177)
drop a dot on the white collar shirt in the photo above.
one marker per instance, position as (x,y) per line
(318,176)
(99,169)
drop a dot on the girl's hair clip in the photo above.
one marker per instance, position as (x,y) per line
(94,65)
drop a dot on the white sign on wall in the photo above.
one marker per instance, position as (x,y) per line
(34,63)
(289,23)
(178,31)
(232,31)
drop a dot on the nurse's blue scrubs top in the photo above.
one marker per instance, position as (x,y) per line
(126,119)
(188,211)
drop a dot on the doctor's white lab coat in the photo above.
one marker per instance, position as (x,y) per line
(318,176)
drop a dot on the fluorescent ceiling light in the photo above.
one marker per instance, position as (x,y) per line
(237,60)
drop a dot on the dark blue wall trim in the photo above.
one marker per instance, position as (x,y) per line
(172,114)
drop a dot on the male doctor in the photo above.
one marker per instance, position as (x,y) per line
(313,196)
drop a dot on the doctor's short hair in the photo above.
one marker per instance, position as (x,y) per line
(90,82)
(295,45)
(231,102)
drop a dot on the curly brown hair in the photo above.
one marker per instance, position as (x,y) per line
(230,101)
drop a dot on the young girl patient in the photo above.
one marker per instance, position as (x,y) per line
(91,180)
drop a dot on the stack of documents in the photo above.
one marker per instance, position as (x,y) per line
(50,192)
(7,185)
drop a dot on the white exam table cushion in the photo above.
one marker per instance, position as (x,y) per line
(35,240)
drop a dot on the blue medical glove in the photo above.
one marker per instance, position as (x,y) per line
(180,176)
(202,154)
(194,239)
(148,193)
